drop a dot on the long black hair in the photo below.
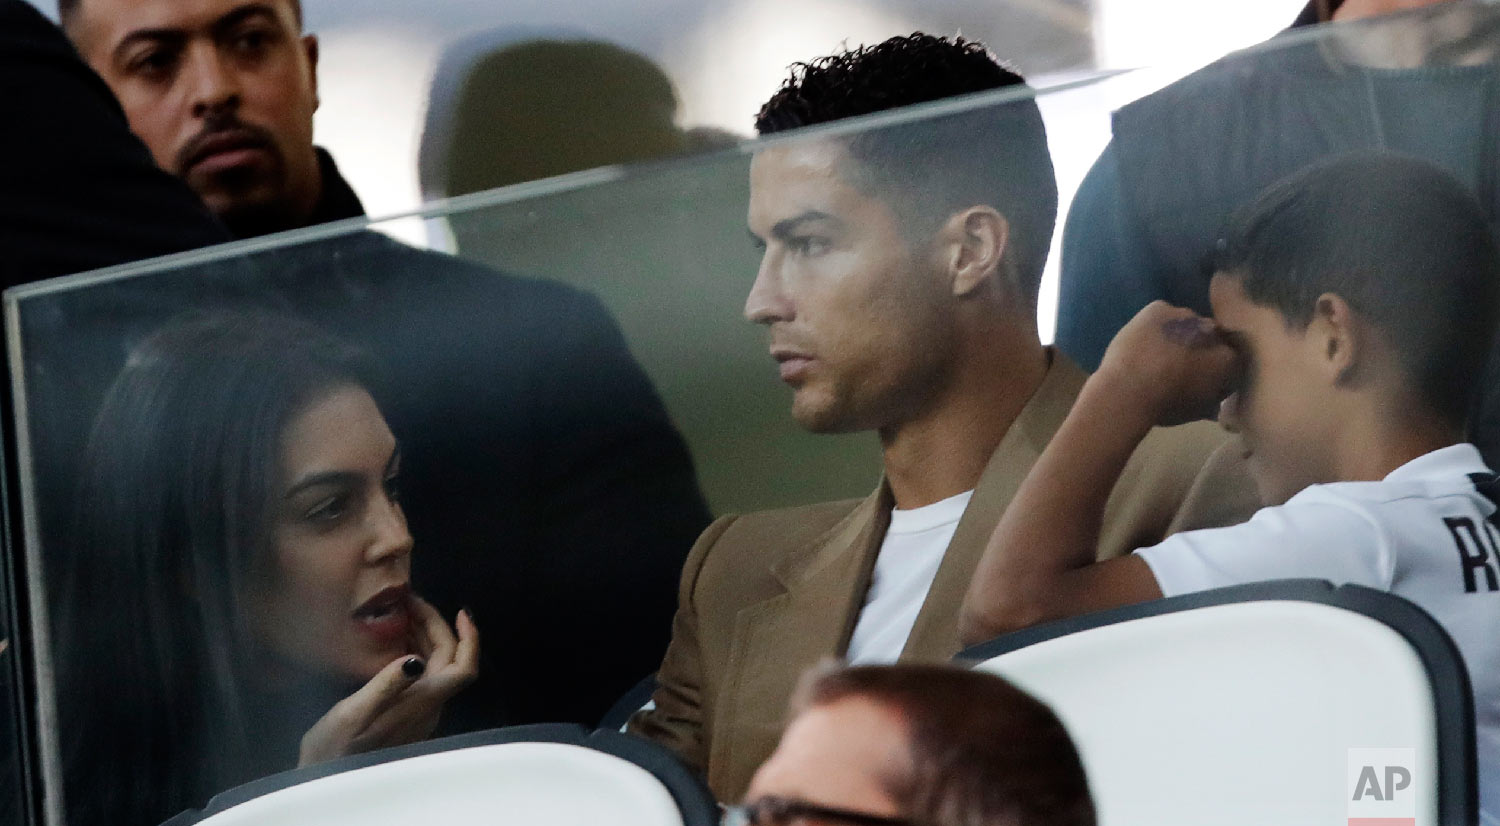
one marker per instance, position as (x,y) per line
(171,534)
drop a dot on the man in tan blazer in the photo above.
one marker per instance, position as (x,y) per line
(899,284)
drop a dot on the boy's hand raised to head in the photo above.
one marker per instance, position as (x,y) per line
(1173,363)
(1167,366)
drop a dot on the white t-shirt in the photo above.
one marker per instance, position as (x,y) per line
(1425,532)
(908,560)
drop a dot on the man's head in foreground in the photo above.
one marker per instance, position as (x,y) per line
(888,250)
(221,91)
(1360,296)
(932,745)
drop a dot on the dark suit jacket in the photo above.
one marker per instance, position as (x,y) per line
(77,191)
(766,595)
(545,485)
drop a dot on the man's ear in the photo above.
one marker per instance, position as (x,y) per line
(310,45)
(1338,336)
(976,240)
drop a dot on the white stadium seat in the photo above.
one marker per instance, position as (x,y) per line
(1240,706)
(546,776)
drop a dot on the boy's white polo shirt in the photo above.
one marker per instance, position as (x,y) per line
(1425,533)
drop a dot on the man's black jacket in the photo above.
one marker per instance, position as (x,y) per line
(545,486)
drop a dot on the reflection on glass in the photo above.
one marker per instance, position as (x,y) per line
(554,489)
(549,489)
(504,110)
(240,563)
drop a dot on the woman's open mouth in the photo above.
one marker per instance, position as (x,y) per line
(386,616)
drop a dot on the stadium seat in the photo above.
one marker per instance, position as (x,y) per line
(1242,705)
(544,775)
(636,699)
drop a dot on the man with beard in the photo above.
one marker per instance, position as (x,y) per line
(80,192)
(899,284)
(223,94)
(542,477)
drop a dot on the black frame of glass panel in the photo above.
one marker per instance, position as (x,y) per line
(15,601)
(21,614)
(1448,677)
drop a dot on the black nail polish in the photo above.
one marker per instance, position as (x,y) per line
(467,610)
(413,667)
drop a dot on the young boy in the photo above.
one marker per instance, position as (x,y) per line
(1354,306)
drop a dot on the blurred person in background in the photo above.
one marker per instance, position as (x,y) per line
(223,94)
(903,745)
(505,109)
(1425,83)
(898,282)
(240,602)
(1182,159)
(556,497)
(81,191)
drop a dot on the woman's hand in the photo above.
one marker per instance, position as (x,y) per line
(401,704)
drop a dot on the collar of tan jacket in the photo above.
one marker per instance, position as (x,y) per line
(825,581)
(834,570)
(833,573)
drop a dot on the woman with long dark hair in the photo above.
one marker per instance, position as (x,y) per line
(237,598)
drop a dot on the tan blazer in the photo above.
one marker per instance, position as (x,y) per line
(766,595)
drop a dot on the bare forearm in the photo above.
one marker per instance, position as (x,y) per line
(1051,529)
(1167,366)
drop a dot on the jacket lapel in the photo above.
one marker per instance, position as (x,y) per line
(935,636)
(775,640)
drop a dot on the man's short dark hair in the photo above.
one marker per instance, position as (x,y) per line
(982,750)
(67,10)
(994,155)
(1402,241)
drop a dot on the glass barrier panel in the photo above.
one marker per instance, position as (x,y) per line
(215,447)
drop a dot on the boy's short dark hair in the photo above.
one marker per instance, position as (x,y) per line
(1401,240)
(994,155)
(982,750)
